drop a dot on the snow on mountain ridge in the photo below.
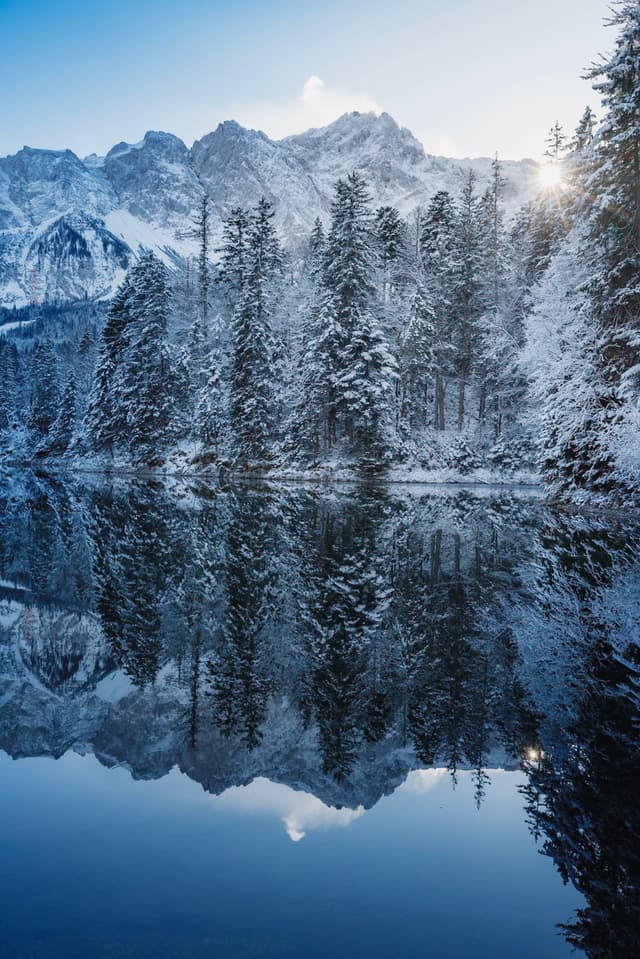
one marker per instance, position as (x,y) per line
(145,193)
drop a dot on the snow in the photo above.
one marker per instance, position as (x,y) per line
(9,613)
(9,327)
(114,687)
(139,235)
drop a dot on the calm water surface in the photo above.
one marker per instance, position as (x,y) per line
(301,723)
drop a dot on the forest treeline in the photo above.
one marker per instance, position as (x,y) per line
(454,337)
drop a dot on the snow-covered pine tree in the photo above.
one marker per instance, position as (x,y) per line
(417,360)
(210,416)
(389,240)
(584,132)
(86,362)
(307,427)
(362,371)
(45,396)
(440,258)
(616,214)
(106,418)
(556,143)
(202,233)
(9,365)
(565,384)
(465,323)
(252,269)
(147,374)
(234,255)
(61,433)
(498,339)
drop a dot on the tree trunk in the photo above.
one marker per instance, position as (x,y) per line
(461,392)
(438,418)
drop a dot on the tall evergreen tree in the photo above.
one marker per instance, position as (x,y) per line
(234,255)
(132,398)
(584,132)
(389,241)
(616,219)
(45,395)
(467,288)
(417,358)
(106,414)
(497,342)
(361,368)
(9,366)
(252,269)
(147,380)
(556,143)
(309,420)
(61,432)
(440,262)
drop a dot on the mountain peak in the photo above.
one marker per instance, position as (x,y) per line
(144,193)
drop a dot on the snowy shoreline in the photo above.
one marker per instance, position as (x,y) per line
(325,476)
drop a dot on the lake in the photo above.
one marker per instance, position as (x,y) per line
(267,721)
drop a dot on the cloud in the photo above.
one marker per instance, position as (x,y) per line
(299,811)
(315,106)
(441,143)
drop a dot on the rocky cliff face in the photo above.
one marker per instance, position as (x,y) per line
(70,227)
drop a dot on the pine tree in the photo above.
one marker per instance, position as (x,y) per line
(597,450)
(361,370)
(389,243)
(495,339)
(309,421)
(251,268)
(9,366)
(616,219)
(584,132)
(86,361)
(441,266)
(316,250)
(59,437)
(45,395)
(106,415)
(210,409)
(202,232)
(556,143)
(147,375)
(233,265)
(469,258)
(417,358)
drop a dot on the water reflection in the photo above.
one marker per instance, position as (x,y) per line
(268,641)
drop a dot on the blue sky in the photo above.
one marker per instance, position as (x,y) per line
(467,77)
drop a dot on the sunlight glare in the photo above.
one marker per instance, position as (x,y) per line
(550,176)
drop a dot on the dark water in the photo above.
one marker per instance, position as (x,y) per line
(303,723)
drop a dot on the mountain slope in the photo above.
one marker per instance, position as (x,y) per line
(69,227)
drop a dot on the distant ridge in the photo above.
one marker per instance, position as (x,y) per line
(69,227)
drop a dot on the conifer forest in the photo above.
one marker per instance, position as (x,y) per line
(319,481)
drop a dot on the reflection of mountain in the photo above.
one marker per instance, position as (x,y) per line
(332,643)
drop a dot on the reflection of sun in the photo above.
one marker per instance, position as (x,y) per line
(550,176)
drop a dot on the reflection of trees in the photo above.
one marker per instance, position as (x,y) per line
(383,627)
(239,669)
(342,597)
(462,695)
(582,796)
(134,555)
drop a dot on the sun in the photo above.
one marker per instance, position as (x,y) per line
(550,176)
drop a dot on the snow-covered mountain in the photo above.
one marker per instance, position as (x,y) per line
(69,227)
